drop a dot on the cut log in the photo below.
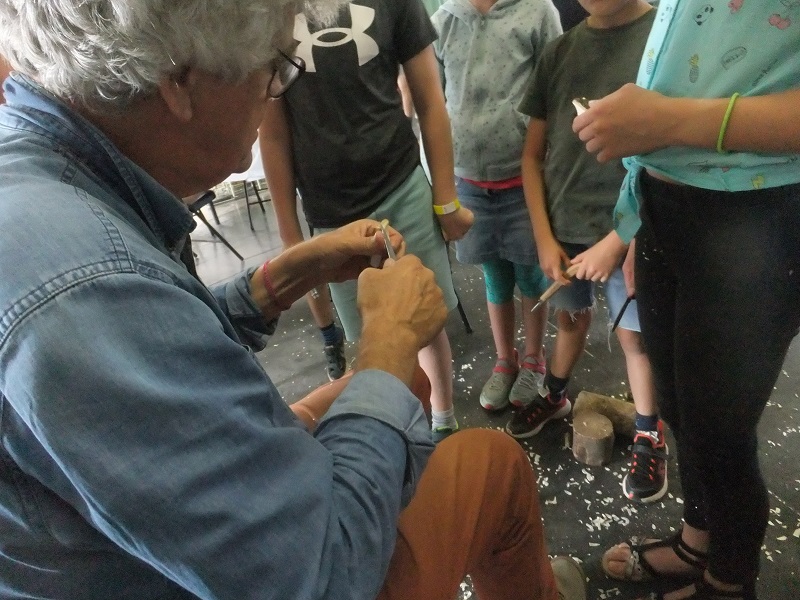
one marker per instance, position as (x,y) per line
(621,413)
(592,438)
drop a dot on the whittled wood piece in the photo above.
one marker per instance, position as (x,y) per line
(592,438)
(555,286)
(621,413)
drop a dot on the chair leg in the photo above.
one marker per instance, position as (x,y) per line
(213,211)
(247,205)
(463,314)
(217,234)
(460,306)
(258,197)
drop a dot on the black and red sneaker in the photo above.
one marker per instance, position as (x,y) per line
(529,421)
(647,479)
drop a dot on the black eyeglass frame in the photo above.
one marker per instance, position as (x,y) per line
(299,68)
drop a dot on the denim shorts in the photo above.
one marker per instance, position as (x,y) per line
(502,227)
(580,294)
(410,210)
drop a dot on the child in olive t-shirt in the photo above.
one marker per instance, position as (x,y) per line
(571,198)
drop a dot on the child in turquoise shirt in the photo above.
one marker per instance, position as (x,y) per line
(713,131)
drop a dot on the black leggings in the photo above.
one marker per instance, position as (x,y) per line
(718,286)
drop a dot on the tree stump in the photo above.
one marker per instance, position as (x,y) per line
(592,438)
(621,413)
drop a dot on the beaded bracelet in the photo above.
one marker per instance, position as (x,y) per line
(273,297)
(724,128)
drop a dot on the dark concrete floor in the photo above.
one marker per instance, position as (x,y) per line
(583,508)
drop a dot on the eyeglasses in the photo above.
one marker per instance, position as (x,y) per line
(287,71)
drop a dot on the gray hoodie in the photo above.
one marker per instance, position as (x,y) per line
(485,62)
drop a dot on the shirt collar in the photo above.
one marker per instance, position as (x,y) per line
(164,213)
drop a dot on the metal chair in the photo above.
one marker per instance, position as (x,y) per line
(207,199)
(459,306)
(250,203)
(249,179)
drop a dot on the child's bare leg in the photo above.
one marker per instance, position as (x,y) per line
(436,359)
(501,318)
(570,341)
(640,375)
(646,480)
(535,326)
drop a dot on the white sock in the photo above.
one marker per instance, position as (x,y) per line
(445,418)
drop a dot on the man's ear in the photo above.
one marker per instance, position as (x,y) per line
(176,93)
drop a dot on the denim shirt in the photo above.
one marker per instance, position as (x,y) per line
(144,452)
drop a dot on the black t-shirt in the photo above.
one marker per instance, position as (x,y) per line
(352,143)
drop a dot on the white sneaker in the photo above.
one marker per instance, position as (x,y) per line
(494,395)
(529,383)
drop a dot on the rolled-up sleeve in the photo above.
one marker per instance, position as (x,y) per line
(236,302)
(384,398)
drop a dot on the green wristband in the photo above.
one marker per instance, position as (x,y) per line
(725,119)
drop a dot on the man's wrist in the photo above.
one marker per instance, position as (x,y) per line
(392,350)
(272,295)
(288,276)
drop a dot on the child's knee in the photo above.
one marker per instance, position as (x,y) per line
(631,342)
(574,320)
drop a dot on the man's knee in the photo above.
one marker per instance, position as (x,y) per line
(487,449)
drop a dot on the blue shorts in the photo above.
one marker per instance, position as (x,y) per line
(410,210)
(502,227)
(580,295)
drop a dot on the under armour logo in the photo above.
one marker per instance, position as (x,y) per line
(361,18)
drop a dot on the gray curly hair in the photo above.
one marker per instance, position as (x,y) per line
(103,54)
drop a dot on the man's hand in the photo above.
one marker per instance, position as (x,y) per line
(345,252)
(403,310)
(456,224)
(336,256)
(597,263)
(630,121)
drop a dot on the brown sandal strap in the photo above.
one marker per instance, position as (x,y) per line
(694,558)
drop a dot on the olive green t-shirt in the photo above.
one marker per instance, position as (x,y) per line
(591,63)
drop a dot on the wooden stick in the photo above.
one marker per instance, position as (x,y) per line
(555,286)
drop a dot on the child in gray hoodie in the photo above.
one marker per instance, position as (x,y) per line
(487,50)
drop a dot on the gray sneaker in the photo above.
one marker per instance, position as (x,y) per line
(570,580)
(336,362)
(529,383)
(494,395)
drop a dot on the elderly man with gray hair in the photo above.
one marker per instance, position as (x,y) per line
(145,452)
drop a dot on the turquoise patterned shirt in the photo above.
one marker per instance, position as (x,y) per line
(698,49)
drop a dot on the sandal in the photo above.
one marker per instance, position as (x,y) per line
(638,569)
